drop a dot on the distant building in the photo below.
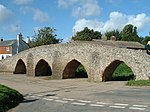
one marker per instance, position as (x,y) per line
(11,47)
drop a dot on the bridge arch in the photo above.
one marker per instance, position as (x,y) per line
(109,70)
(70,70)
(43,68)
(20,67)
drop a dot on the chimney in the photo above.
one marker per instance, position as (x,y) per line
(19,39)
(1,40)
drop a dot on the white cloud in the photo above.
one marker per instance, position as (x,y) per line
(91,24)
(117,20)
(5,14)
(81,8)
(87,8)
(22,2)
(62,3)
(65,40)
(40,16)
(66,3)
(140,20)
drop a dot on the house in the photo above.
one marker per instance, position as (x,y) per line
(11,47)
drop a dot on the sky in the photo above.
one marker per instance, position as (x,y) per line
(71,16)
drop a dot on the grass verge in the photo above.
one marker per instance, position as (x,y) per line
(138,83)
(9,98)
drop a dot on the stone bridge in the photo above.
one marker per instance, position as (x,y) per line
(61,60)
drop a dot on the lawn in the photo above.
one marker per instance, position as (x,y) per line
(138,83)
(9,98)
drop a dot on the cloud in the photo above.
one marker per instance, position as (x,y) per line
(65,40)
(40,16)
(22,2)
(87,8)
(91,24)
(5,14)
(117,20)
(67,3)
(81,8)
(140,20)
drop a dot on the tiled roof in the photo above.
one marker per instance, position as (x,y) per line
(7,42)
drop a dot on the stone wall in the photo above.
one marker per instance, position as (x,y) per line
(94,57)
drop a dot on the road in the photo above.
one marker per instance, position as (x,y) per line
(76,95)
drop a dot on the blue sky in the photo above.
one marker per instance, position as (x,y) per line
(70,16)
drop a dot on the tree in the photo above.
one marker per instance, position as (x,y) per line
(115,33)
(129,33)
(146,39)
(87,35)
(44,36)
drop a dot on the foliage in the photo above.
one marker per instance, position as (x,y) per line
(9,98)
(81,72)
(123,73)
(138,83)
(44,36)
(115,33)
(87,35)
(146,39)
(129,33)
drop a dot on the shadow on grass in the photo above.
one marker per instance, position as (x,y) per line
(124,78)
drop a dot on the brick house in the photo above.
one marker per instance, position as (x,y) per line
(11,47)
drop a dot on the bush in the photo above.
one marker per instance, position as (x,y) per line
(9,98)
(123,73)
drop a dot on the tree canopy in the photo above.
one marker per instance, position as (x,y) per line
(87,35)
(44,36)
(129,33)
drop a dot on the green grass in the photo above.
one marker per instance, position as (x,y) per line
(138,83)
(123,73)
(9,98)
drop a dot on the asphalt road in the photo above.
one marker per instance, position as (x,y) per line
(77,95)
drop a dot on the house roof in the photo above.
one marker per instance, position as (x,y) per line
(7,42)
(121,44)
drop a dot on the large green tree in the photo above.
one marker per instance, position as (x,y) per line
(44,36)
(87,35)
(129,33)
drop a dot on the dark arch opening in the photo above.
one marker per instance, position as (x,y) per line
(43,69)
(118,71)
(74,69)
(20,67)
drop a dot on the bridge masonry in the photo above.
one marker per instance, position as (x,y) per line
(99,60)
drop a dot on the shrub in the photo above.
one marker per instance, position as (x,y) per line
(9,98)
